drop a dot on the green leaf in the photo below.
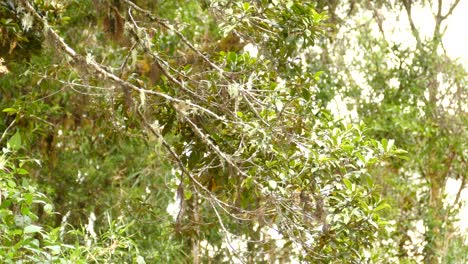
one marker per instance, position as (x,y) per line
(381,207)
(48,208)
(32,229)
(360,157)
(403,157)
(384,144)
(317,75)
(400,151)
(187,194)
(272,184)
(246,6)
(364,205)
(9,110)
(390,144)
(15,141)
(22,171)
(28,198)
(25,210)
(11,183)
(305,94)
(374,224)
(348,184)
(231,57)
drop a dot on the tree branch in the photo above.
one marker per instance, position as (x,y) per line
(178,33)
(414,30)
(451,9)
(6,130)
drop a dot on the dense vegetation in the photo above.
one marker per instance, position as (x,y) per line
(200,131)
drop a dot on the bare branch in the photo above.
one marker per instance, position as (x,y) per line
(160,62)
(6,130)
(454,5)
(414,30)
(180,35)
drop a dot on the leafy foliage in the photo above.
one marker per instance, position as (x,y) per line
(145,131)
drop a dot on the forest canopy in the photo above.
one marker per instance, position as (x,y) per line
(206,131)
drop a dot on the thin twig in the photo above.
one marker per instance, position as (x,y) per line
(451,10)
(6,130)
(178,33)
